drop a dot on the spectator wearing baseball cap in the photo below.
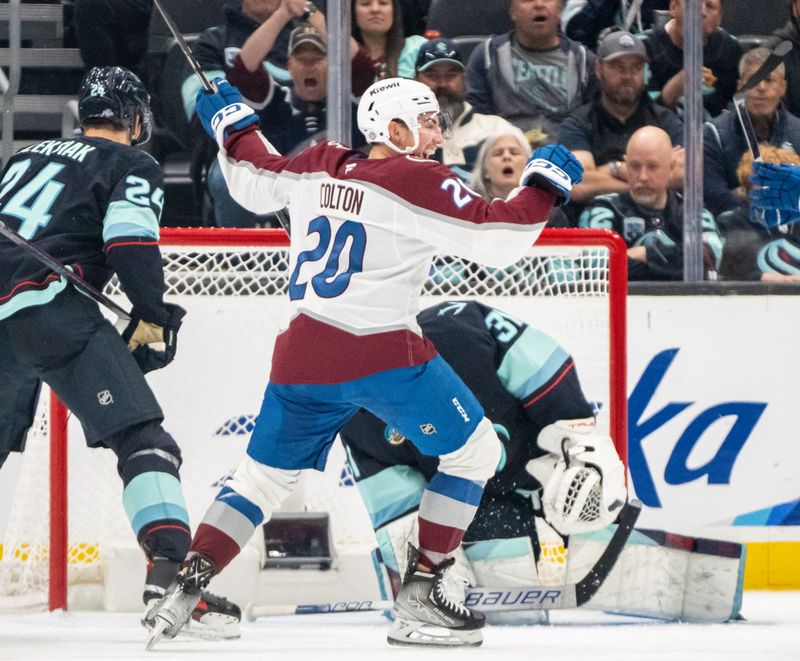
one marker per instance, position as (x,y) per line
(598,132)
(440,66)
(291,116)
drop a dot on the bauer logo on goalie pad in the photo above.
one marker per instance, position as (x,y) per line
(512,597)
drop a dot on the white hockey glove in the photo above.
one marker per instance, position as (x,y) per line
(583,477)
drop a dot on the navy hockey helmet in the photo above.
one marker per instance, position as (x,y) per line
(115,95)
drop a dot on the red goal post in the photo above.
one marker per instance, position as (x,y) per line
(570,253)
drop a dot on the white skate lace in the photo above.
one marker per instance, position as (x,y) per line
(451,583)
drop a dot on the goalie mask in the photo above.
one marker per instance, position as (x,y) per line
(115,95)
(398,99)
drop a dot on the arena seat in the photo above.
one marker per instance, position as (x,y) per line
(748,20)
(454,18)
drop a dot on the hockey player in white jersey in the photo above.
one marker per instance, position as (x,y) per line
(364,231)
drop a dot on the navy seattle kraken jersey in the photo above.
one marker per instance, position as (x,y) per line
(76,199)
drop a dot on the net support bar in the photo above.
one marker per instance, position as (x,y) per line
(59,528)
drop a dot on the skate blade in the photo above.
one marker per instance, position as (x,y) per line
(421,634)
(157,632)
(212,626)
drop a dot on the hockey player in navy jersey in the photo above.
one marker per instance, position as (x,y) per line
(557,469)
(364,231)
(93,203)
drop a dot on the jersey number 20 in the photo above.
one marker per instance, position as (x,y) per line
(330,282)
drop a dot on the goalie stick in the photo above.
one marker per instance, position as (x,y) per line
(520,598)
(57,267)
(207,84)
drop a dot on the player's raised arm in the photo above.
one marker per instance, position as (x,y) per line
(249,163)
(400,116)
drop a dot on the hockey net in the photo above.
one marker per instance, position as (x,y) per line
(572,284)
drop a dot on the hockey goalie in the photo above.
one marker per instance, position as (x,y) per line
(548,513)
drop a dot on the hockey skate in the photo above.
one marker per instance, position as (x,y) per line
(426,615)
(214,618)
(168,616)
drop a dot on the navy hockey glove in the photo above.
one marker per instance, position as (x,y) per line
(773,217)
(775,186)
(224,110)
(553,168)
(145,339)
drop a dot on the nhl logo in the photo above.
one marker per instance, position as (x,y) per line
(427,429)
(105,397)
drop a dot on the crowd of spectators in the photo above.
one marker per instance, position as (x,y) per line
(603,77)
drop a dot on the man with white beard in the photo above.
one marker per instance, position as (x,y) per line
(649,216)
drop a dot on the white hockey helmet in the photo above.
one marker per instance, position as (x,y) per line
(395,98)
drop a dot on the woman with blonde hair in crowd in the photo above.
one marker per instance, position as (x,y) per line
(499,164)
(498,168)
(756,252)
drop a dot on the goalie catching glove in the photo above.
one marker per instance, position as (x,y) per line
(583,477)
(223,111)
(151,345)
(553,168)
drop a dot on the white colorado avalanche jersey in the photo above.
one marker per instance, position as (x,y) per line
(364,232)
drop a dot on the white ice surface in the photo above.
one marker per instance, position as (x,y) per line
(771,633)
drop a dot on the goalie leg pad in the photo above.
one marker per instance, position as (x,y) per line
(664,576)
(506,563)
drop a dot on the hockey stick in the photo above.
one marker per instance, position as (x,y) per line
(774,60)
(63,271)
(207,84)
(187,52)
(521,598)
